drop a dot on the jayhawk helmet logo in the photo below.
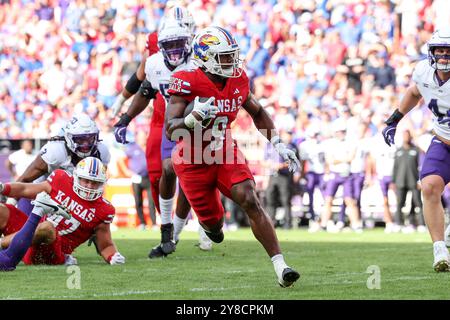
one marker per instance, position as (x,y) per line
(202,45)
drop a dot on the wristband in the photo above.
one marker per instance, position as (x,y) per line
(110,257)
(190,121)
(394,118)
(125,120)
(6,189)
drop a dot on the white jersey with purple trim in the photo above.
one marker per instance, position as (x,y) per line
(436,97)
(313,152)
(340,151)
(358,164)
(158,74)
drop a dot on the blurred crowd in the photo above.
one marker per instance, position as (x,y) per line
(311,63)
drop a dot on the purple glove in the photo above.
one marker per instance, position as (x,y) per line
(389,134)
(389,131)
(120,128)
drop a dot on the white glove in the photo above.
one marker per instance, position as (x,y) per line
(117,105)
(117,258)
(287,154)
(11,201)
(70,260)
(206,110)
(50,206)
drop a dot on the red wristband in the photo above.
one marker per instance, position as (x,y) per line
(110,257)
(6,189)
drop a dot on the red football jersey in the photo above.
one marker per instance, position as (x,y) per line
(86,215)
(192,83)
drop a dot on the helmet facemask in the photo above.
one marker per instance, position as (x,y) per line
(84,144)
(89,179)
(434,58)
(228,64)
(175,50)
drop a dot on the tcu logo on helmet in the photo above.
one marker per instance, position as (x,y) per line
(203,44)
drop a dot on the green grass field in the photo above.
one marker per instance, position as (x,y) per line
(332,266)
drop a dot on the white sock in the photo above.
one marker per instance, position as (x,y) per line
(38,211)
(278,264)
(166,210)
(439,245)
(178,225)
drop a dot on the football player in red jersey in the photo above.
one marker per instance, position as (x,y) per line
(174,40)
(57,236)
(206,167)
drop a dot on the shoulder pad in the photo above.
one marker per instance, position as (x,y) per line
(54,153)
(420,70)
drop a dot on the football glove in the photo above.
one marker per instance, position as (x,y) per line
(120,128)
(205,110)
(50,206)
(117,258)
(287,154)
(391,128)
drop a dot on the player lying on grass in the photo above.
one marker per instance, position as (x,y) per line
(57,236)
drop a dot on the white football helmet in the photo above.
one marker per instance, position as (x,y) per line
(81,135)
(440,38)
(93,170)
(216,51)
(174,41)
(182,15)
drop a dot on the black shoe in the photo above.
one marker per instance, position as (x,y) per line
(215,237)
(289,277)
(157,252)
(167,244)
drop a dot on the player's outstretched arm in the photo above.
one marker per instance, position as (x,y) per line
(265,125)
(106,245)
(24,190)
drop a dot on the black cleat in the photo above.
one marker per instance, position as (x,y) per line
(157,252)
(289,276)
(167,244)
(215,237)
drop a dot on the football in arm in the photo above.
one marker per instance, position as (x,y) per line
(189,108)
